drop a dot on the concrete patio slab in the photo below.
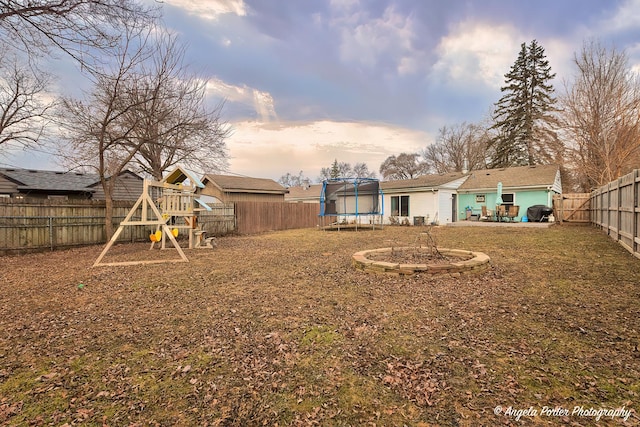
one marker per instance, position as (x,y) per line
(501,224)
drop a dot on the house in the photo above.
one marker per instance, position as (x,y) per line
(128,187)
(304,194)
(351,199)
(427,198)
(229,188)
(522,186)
(43,184)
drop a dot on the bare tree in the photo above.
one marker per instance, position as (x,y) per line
(345,170)
(361,170)
(289,180)
(24,110)
(458,147)
(601,116)
(174,126)
(336,170)
(99,126)
(403,166)
(80,28)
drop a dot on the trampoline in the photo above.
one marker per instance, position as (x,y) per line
(345,202)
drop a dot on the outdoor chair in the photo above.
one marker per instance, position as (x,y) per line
(485,214)
(501,212)
(513,212)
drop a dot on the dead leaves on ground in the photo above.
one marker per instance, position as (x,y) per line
(279,329)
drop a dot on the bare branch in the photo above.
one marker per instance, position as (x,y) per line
(82,29)
(98,127)
(24,112)
(458,147)
(601,116)
(403,166)
(175,126)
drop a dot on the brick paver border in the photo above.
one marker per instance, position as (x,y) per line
(470,262)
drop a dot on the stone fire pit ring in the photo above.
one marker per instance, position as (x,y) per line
(469,262)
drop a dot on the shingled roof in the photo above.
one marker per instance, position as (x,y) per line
(310,192)
(521,177)
(423,181)
(32,180)
(242,184)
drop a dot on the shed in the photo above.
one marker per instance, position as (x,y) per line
(522,186)
(230,188)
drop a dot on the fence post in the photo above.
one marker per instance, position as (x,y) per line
(619,211)
(609,191)
(50,221)
(636,183)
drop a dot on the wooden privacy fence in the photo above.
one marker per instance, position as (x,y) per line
(257,217)
(615,209)
(220,220)
(51,224)
(572,208)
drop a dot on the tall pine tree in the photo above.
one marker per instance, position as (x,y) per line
(523,118)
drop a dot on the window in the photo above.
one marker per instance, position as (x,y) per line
(399,205)
(507,199)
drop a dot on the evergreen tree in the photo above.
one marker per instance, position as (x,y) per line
(335,170)
(523,118)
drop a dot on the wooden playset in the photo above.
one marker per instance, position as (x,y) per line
(173,212)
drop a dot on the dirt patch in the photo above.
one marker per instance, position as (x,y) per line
(412,256)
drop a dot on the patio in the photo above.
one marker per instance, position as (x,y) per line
(500,224)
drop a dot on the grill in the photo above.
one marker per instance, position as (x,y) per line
(539,213)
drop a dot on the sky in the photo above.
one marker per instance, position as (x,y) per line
(308,81)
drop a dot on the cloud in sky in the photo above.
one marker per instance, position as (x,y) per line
(625,18)
(475,53)
(278,148)
(261,102)
(370,42)
(210,9)
(306,82)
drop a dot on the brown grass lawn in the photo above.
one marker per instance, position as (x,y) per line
(279,329)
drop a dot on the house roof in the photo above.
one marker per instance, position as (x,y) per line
(423,181)
(311,192)
(42,180)
(243,184)
(31,180)
(521,176)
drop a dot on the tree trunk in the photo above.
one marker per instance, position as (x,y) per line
(108,210)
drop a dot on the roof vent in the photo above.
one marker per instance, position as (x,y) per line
(79,174)
(32,171)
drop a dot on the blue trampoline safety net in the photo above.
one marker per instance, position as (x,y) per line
(350,196)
